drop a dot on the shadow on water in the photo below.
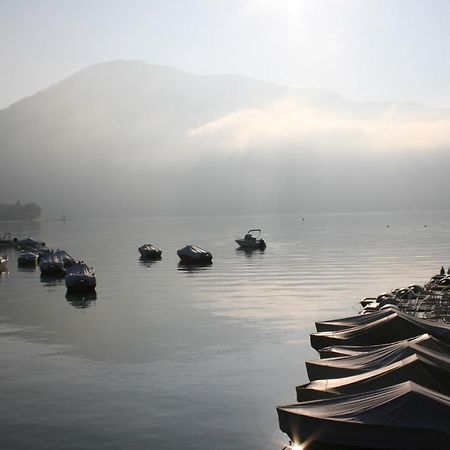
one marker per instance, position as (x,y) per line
(81,300)
(148,262)
(52,280)
(249,252)
(193,267)
(25,269)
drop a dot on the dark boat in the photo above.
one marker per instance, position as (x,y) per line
(191,254)
(8,241)
(252,240)
(406,416)
(148,251)
(52,265)
(80,278)
(27,259)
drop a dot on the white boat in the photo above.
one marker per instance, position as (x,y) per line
(27,259)
(80,278)
(193,254)
(148,251)
(52,264)
(252,240)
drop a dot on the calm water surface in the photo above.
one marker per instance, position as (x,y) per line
(168,357)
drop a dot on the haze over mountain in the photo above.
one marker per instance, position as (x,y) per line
(128,138)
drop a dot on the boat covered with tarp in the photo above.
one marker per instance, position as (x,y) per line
(191,254)
(66,258)
(28,259)
(391,328)
(52,265)
(344,366)
(30,242)
(8,241)
(399,417)
(352,321)
(424,340)
(425,367)
(80,278)
(149,251)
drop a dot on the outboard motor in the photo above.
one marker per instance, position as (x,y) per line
(262,244)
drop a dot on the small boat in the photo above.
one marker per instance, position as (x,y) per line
(148,251)
(80,278)
(3,260)
(252,240)
(66,258)
(193,254)
(30,242)
(53,265)
(8,241)
(27,259)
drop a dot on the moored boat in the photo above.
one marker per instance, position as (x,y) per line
(27,259)
(252,240)
(52,265)
(403,416)
(8,241)
(80,278)
(148,251)
(191,254)
(66,258)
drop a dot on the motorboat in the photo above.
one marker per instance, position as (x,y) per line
(252,240)
(193,254)
(148,251)
(52,265)
(27,259)
(8,241)
(80,278)
(66,258)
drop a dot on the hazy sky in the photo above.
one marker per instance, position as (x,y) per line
(395,50)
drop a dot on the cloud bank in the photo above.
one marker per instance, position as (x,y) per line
(293,123)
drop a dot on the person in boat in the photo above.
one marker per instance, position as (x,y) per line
(442,270)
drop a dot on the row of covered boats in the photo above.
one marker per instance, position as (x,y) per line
(78,276)
(192,254)
(382,381)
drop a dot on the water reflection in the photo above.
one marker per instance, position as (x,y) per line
(26,269)
(81,300)
(52,280)
(148,262)
(249,252)
(194,267)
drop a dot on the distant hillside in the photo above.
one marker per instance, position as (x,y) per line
(17,211)
(132,138)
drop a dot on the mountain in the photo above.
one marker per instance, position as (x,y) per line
(131,138)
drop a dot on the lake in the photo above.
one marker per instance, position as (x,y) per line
(171,357)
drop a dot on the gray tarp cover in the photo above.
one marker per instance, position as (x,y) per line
(352,321)
(344,366)
(394,327)
(425,367)
(425,340)
(403,416)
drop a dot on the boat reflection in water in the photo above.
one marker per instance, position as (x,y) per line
(52,279)
(194,267)
(81,300)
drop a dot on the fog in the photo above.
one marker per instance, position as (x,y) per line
(128,138)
